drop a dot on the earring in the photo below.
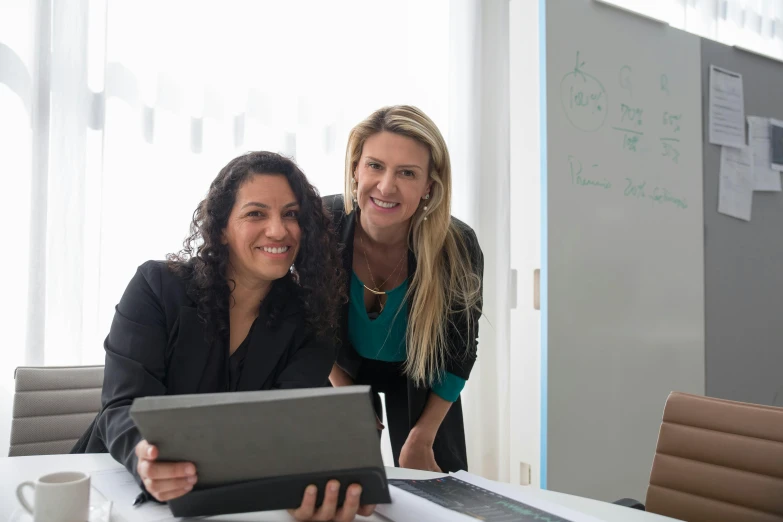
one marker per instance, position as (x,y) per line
(354,186)
(427,195)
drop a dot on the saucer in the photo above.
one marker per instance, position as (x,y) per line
(100,510)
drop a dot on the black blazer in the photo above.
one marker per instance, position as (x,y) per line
(157,346)
(449,445)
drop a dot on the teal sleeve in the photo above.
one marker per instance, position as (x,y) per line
(449,387)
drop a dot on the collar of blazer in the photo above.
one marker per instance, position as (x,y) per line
(268,344)
(284,293)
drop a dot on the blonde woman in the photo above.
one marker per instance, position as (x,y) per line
(414,282)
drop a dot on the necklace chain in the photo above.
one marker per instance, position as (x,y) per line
(377,289)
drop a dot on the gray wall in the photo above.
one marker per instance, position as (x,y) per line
(743,261)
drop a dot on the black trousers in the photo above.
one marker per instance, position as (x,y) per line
(404,404)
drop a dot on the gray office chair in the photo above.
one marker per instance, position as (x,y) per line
(53,406)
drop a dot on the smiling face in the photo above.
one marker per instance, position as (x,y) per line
(262,233)
(393,177)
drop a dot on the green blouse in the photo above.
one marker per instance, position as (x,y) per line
(383,338)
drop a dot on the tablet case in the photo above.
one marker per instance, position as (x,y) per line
(258,451)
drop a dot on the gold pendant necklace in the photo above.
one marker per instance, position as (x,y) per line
(377,290)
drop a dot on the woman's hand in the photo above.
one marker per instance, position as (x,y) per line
(329,510)
(163,480)
(339,377)
(417,454)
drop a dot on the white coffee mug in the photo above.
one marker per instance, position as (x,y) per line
(58,497)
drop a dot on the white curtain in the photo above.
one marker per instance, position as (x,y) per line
(109,141)
(479,145)
(756,25)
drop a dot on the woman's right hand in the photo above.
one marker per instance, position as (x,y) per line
(328,510)
(163,480)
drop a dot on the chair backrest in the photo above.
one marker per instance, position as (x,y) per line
(718,460)
(53,406)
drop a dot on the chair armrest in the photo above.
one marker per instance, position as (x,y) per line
(629,502)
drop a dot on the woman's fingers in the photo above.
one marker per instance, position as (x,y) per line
(307,509)
(161,486)
(351,505)
(165,497)
(166,480)
(328,510)
(145,450)
(166,470)
(329,507)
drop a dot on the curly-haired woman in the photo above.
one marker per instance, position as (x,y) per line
(250,303)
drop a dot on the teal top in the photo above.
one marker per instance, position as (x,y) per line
(383,338)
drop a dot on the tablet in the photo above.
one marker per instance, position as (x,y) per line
(258,451)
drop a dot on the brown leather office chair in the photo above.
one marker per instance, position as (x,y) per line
(718,460)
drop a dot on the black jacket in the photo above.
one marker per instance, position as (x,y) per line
(449,445)
(158,346)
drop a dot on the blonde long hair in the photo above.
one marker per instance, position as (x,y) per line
(446,284)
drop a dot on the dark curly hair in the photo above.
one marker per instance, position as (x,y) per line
(316,279)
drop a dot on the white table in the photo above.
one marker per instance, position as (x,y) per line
(14,470)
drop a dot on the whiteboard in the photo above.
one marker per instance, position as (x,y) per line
(625,271)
